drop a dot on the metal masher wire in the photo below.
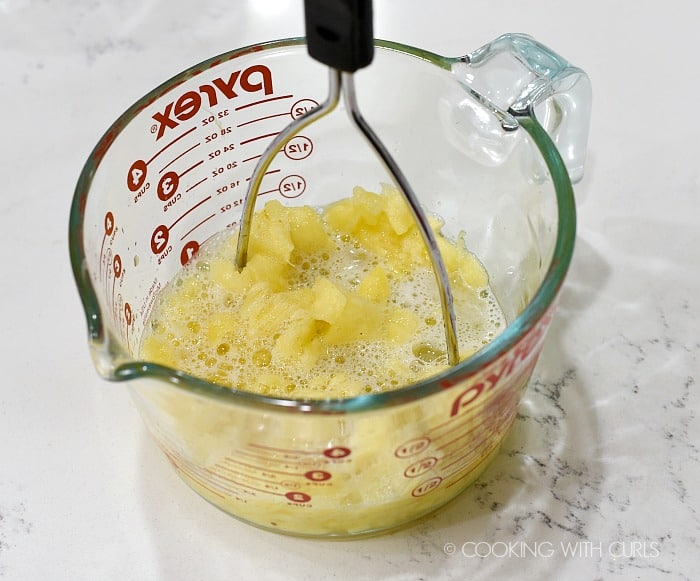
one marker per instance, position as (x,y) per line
(268,155)
(438,264)
(341,77)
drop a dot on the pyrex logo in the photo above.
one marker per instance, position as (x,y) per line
(516,365)
(250,80)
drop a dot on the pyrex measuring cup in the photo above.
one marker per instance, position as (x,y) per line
(488,141)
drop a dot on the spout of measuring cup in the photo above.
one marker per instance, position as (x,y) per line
(107,357)
(514,75)
(107,353)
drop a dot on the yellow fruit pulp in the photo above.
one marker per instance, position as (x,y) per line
(332,303)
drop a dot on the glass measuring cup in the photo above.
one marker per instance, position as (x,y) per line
(480,138)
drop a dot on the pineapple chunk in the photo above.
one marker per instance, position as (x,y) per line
(225,274)
(375,286)
(328,302)
(361,320)
(263,311)
(401,325)
(342,216)
(299,343)
(269,270)
(471,270)
(397,211)
(307,231)
(270,234)
(369,205)
(300,229)
(462,265)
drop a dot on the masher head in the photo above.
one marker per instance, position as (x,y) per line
(339,34)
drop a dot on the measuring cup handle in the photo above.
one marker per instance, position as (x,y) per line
(520,76)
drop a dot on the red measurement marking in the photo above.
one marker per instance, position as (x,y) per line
(259,137)
(412,447)
(171,143)
(109,223)
(420,467)
(506,423)
(189,169)
(302,106)
(292,186)
(268,192)
(496,417)
(230,485)
(252,158)
(193,186)
(102,258)
(117,305)
(189,251)
(461,435)
(453,420)
(167,186)
(283,450)
(254,467)
(317,475)
(249,476)
(109,229)
(472,469)
(464,419)
(196,226)
(136,175)
(221,481)
(178,157)
(191,210)
(266,173)
(298,147)
(254,103)
(105,264)
(464,455)
(159,239)
(460,452)
(161,234)
(201,483)
(117,265)
(337,452)
(242,485)
(190,470)
(203,477)
(114,283)
(262,119)
(425,487)
(310,462)
(215,478)
(128,314)
(300,497)
(128,317)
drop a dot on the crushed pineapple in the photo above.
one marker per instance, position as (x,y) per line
(333,303)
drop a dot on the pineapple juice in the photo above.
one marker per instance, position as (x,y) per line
(335,302)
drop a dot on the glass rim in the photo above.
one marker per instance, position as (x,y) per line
(102,343)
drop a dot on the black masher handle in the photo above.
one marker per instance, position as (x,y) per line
(339,33)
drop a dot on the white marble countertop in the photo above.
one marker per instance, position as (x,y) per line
(604,457)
